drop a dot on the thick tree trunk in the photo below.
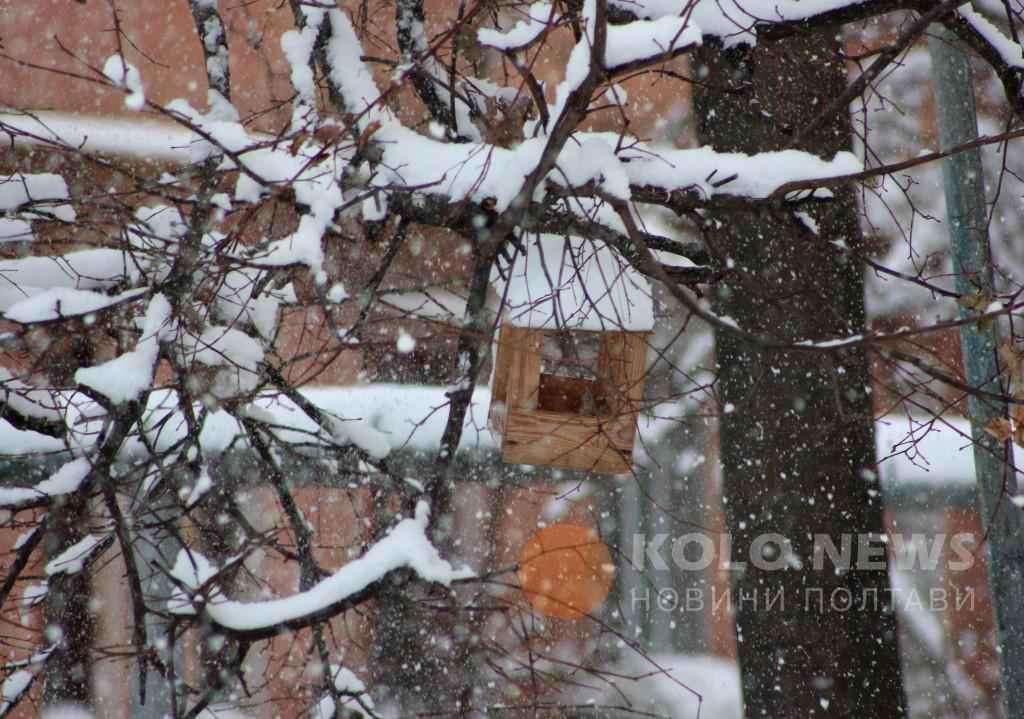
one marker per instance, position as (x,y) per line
(69,621)
(797,431)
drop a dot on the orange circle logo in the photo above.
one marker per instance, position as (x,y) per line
(565,571)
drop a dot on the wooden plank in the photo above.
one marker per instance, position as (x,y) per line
(623,366)
(569,439)
(523,370)
(507,337)
(577,442)
(499,384)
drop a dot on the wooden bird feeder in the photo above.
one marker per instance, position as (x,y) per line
(568,398)
(564,393)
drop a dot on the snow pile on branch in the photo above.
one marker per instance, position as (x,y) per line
(349,73)
(65,480)
(348,684)
(126,76)
(124,378)
(1009,51)
(64,303)
(88,269)
(105,135)
(191,570)
(645,39)
(14,686)
(234,356)
(73,559)
(36,197)
(28,401)
(404,546)
(539,17)
(262,168)
(730,173)
(593,160)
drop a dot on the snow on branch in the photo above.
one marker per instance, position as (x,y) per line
(62,303)
(349,73)
(214,40)
(637,42)
(539,18)
(64,481)
(79,555)
(126,76)
(125,377)
(36,197)
(405,546)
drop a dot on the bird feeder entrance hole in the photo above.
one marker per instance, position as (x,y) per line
(568,398)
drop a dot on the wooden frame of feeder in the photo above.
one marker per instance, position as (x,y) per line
(539,416)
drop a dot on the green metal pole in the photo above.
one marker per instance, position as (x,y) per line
(972,265)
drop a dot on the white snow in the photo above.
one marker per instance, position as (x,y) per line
(539,17)
(14,230)
(73,559)
(379,418)
(574,284)
(23,398)
(405,343)
(675,686)
(236,354)
(1010,52)
(463,171)
(68,711)
(36,196)
(337,293)
(349,72)
(345,681)
(63,302)
(13,687)
(24,537)
(107,135)
(576,69)
(125,377)
(297,46)
(89,269)
(592,160)
(235,303)
(64,481)
(757,175)
(916,450)
(643,39)
(204,483)
(192,570)
(126,76)
(16,443)
(809,222)
(404,546)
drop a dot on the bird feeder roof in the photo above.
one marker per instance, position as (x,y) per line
(574,284)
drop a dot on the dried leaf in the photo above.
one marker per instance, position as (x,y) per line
(328,134)
(366,135)
(300,138)
(1012,360)
(1000,428)
(976,301)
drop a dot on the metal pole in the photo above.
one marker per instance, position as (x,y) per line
(972,265)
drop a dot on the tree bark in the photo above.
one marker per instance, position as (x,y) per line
(797,433)
(69,622)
